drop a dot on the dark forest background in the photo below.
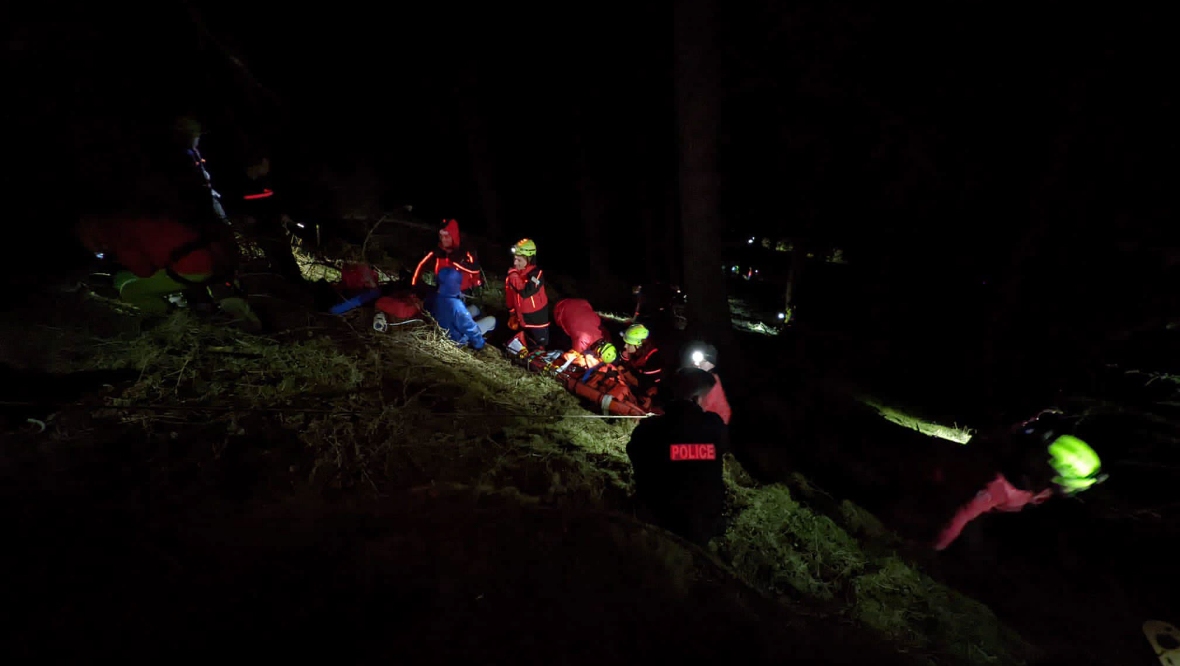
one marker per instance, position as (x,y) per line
(1030,150)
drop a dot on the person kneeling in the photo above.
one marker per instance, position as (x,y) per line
(448,309)
(677,460)
(161,257)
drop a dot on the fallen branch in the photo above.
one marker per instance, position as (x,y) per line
(365,243)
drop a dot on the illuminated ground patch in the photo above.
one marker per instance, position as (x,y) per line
(929,428)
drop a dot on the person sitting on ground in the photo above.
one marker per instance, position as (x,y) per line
(704,356)
(450,253)
(1035,461)
(589,343)
(452,315)
(161,257)
(677,461)
(526,299)
(642,360)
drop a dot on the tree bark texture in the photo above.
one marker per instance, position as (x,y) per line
(480,153)
(798,257)
(697,106)
(1049,201)
(592,201)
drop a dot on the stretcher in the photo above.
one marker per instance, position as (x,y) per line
(612,398)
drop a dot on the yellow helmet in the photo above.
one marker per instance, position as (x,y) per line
(605,351)
(636,334)
(525,247)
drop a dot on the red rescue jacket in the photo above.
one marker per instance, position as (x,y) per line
(524,294)
(457,257)
(578,319)
(999,495)
(146,246)
(357,277)
(645,364)
(716,402)
(401,305)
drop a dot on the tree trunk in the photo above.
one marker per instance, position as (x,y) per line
(798,257)
(592,205)
(695,73)
(1049,200)
(671,244)
(651,208)
(480,154)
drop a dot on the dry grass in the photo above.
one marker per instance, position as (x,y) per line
(379,413)
(382,410)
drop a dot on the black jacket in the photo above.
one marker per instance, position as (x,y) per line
(677,459)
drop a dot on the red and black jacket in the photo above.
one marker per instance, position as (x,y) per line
(524,293)
(457,257)
(646,361)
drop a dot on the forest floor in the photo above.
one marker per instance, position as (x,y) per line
(323,487)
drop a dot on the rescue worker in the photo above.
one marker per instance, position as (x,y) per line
(199,205)
(450,253)
(704,356)
(677,461)
(197,191)
(525,297)
(1037,460)
(264,211)
(161,257)
(576,318)
(447,308)
(642,360)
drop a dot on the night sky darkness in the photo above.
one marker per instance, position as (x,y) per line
(1034,149)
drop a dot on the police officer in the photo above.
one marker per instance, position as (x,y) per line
(677,460)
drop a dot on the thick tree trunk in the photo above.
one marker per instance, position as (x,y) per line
(798,257)
(1049,200)
(480,154)
(652,207)
(592,204)
(696,64)
(672,245)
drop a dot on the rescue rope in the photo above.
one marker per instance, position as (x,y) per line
(313,410)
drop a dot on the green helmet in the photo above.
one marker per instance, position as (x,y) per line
(188,127)
(1076,463)
(636,334)
(605,351)
(525,247)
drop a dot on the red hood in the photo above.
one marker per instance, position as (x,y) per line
(452,228)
